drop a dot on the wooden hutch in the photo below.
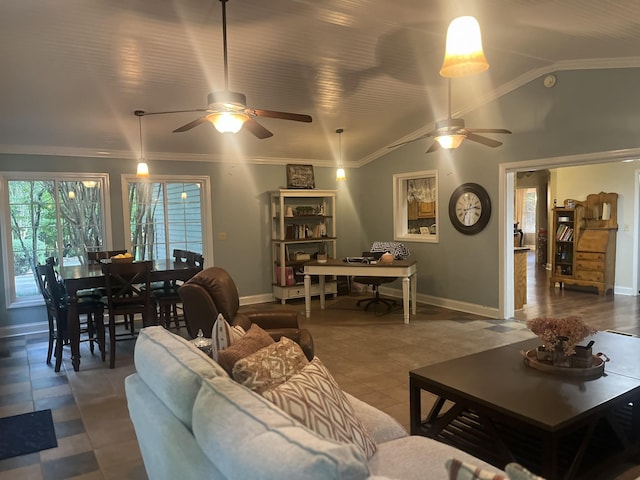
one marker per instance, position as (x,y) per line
(584,242)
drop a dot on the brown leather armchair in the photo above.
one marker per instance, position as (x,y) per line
(213,291)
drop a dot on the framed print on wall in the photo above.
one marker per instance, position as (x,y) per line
(415,206)
(300,176)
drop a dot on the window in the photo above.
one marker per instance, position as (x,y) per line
(526,200)
(49,215)
(165,214)
(415,206)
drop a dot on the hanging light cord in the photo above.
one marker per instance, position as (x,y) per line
(140,129)
(339,132)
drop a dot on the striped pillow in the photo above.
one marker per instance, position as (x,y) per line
(223,335)
(459,470)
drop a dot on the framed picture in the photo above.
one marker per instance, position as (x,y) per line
(415,206)
(300,176)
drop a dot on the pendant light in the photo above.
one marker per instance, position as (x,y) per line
(340,175)
(463,53)
(143,169)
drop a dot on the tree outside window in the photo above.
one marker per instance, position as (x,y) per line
(163,216)
(50,217)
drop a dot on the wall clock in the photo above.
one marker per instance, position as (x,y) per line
(469,208)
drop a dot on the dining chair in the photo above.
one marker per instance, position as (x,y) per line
(128,292)
(166,298)
(57,306)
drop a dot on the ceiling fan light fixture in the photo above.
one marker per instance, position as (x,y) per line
(227,122)
(89,183)
(450,142)
(463,52)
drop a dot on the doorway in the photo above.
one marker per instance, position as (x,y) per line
(506,210)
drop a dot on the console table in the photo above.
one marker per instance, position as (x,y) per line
(405,269)
(559,427)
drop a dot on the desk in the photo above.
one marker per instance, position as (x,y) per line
(81,277)
(406,269)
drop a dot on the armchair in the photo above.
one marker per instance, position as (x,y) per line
(213,291)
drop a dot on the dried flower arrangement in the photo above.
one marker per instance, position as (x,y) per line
(565,331)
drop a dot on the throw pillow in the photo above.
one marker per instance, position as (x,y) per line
(255,339)
(313,397)
(459,470)
(270,366)
(223,335)
(515,471)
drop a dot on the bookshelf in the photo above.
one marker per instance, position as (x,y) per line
(584,243)
(303,223)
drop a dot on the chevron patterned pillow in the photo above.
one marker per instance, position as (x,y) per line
(313,397)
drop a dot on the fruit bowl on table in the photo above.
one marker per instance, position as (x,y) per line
(122,259)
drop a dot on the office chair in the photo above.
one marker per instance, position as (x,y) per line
(399,252)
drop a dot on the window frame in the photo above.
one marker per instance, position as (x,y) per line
(11,298)
(400,207)
(205,199)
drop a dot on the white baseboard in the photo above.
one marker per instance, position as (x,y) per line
(24,329)
(466,307)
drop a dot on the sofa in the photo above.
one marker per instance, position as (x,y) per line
(193,421)
(212,292)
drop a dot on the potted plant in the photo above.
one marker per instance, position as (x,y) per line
(322,253)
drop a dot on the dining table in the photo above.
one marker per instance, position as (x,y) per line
(84,277)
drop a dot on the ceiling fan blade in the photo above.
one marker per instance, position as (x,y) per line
(190,125)
(296,117)
(488,130)
(143,113)
(410,141)
(257,129)
(489,142)
(435,146)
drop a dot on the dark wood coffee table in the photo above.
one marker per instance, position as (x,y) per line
(493,406)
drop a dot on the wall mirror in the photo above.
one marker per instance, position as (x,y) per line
(415,206)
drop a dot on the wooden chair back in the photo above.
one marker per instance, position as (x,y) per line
(128,288)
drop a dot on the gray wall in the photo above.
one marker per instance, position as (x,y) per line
(587,111)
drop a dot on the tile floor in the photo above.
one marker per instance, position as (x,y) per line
(368,354)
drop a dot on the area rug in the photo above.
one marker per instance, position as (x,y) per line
(26,433)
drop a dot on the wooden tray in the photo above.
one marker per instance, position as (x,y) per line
(599,359)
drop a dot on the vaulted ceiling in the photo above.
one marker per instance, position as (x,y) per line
(73,71)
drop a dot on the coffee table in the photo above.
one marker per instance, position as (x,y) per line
(493,406)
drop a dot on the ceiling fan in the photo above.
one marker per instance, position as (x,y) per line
(450,133)
(228,110)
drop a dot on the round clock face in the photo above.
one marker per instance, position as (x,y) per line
(469,208)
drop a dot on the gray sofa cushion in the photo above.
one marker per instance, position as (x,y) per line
(381,427)
(229,419)
(418,458)
(173,369)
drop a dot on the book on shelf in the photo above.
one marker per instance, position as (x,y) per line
(564,233)
(289,276)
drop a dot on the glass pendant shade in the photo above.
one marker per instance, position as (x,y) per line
(340,175)
(463,54)
(450,142)
(227,122)
(143,169)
